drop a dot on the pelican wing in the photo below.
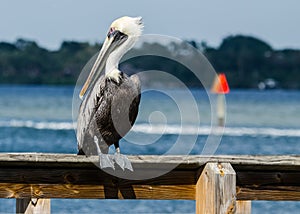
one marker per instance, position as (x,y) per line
(88,108)
(108,112)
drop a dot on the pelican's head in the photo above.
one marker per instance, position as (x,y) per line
(130,26)
(121,36)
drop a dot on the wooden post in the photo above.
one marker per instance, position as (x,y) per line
(216,189)
(33,206)
(243,207)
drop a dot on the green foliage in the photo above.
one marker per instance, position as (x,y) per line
(24,62)
(245,60)
(248,61)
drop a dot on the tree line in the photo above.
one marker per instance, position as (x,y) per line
(245,60)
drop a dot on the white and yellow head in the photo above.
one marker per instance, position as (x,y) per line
(121,36)
(130,26)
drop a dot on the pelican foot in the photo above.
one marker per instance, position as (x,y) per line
(123,161)
(106,161)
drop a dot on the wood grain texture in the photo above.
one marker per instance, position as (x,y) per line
(286,162)
(215,189)
(33,206)
(269,193)
(163,192)
(243,207)
(41,175)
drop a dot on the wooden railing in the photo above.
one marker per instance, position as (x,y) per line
(219,184)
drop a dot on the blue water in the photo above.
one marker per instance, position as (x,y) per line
(39,119)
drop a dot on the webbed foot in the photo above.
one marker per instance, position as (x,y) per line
(122,161)
(106,161)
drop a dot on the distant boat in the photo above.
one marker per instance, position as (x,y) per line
(267,84)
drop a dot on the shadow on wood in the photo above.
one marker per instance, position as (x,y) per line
(32,206)
(113,190)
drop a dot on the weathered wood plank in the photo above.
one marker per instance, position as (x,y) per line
(286,162)
(163,192)
(243,207)
(269,193)
(175,192)
(263,178)
(90,177)
(184,192)
(258,177)
(33,206)
(215,189)
(268,185)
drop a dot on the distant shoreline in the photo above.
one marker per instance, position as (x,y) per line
(248,63)
(7,85)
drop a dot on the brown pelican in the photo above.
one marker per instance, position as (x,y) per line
(110,108)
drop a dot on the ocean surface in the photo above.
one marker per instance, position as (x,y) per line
(39,119)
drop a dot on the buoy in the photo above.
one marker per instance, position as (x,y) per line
(220,87)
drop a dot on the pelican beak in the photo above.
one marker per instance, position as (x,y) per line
(113,40)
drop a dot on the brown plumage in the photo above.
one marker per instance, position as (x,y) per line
(108,114)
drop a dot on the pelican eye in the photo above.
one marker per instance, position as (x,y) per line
(111,32)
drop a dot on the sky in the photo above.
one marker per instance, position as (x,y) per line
(49,22)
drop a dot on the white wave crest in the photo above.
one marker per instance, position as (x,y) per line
(207,130)
(37,125)
(161,129)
